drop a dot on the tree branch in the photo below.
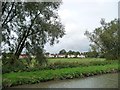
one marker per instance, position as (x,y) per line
(22,42)
(8,14)
(12,16)
(3,7)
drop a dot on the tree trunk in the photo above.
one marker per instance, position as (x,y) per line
(19,45)
(17,54)
(22,41)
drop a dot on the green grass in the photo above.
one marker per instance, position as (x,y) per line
(60,68)
(75,61)
(72,60)
(79,61)
(18,78)
(54,63)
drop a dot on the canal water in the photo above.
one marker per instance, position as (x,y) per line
(98,81)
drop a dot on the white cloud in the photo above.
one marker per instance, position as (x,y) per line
(79,16)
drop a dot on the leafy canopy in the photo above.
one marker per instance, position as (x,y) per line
(29,26)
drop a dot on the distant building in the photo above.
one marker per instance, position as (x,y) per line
(80,56)
(51,55)
(23,56)
(61,56)
(70,56)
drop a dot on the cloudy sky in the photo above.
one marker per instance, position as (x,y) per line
(78,16)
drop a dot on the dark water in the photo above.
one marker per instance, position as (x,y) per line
(99,81)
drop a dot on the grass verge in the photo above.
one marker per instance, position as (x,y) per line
(19,78)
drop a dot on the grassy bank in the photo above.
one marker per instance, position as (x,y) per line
(18,78)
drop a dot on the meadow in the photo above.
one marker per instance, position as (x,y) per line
(73,60)
(54,63)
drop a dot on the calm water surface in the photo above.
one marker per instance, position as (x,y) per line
(99,81)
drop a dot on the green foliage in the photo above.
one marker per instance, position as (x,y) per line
(91,54)
(57,63)
(63,51)
(70,52)
(33,24)
(105,39)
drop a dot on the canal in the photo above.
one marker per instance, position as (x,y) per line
(98,81)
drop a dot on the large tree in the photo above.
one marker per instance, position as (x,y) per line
(105,39)
(29,26)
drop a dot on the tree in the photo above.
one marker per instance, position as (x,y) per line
(47,53)
(91,54)
(30,26)
(76,53)
(105,39)
(70,52)
(63,51)
(119,38)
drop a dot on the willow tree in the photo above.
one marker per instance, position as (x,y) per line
(29,26)
(105,39)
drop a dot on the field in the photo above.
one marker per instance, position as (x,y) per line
(72,60)
(54,63)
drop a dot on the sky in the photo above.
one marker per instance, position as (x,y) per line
(78,16)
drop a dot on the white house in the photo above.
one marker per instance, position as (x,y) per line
(51,55)
(23,56)
(70,56)
(80,56)
(61,56)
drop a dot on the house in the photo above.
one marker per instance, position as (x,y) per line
(51,55)
(70,56)
(80,56)
(23,56)
(61,56)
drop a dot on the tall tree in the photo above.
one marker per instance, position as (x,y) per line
(29,26)
(105,39)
